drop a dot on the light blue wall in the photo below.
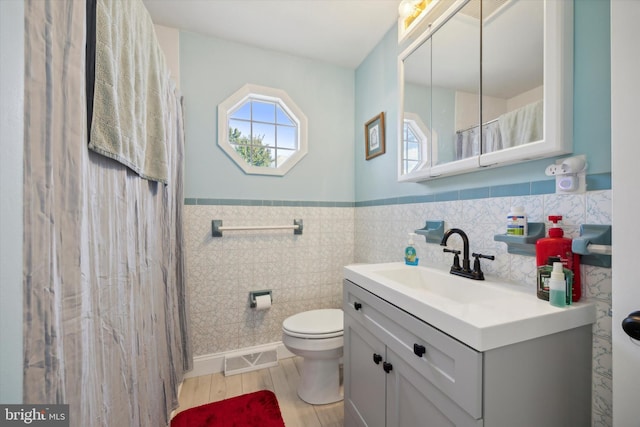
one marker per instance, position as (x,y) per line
(11,227)
(212,69)
(338,101)
(376,91)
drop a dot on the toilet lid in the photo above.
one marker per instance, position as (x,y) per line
(315,323)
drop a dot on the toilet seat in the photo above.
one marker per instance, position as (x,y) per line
(315,324)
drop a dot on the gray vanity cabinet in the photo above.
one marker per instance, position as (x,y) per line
(405,376)
(399,371)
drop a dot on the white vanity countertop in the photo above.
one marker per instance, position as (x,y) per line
(482,314)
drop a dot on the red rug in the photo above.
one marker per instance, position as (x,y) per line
(259,409)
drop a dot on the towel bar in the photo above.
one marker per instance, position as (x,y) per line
(217,228)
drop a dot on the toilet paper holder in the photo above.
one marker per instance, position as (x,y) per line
(254,294)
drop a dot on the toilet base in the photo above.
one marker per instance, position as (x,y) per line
(320,381)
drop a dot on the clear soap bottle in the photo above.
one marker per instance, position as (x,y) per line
(557,286)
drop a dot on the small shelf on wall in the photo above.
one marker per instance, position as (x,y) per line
(523,245)
(433,231)
(594,245)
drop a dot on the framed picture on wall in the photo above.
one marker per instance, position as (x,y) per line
(374,137)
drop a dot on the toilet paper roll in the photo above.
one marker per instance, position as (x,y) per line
(263,302)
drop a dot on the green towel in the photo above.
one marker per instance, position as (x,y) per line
(132,88)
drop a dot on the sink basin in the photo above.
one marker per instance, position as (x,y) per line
(437,283)
(482,314)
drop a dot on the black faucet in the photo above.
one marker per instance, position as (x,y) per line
(465,270)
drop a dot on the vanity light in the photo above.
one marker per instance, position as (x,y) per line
(410,10)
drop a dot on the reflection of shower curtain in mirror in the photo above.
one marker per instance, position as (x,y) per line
(467,143)
(105,298)
(516,127)
(467,140)
(491,139)
(522,125)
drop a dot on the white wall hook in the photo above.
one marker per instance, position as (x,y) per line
(570,174)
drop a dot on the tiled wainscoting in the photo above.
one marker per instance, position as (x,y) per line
(381,236)
(305,271)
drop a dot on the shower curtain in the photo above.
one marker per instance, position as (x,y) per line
(104,292)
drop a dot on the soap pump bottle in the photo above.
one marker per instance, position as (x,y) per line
(410,255)
(557,286)
(556,245)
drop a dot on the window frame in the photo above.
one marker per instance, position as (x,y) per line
(422,133)
(262,93)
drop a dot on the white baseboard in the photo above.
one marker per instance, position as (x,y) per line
(213,363)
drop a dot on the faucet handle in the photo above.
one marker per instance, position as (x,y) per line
(476,256)
(477,271)
(456,259)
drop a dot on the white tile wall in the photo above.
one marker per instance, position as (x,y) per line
(381,235)
(305,272)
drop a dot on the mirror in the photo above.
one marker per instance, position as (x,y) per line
(455,72)
(511,104)
(512,73)
(416,151)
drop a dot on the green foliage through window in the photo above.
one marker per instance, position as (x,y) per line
(253,151)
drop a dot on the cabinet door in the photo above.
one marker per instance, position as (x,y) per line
(364,379)
(414,401)
(453,367)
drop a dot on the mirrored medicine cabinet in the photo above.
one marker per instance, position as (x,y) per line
(487,83)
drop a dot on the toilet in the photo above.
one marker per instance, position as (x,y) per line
(316,336)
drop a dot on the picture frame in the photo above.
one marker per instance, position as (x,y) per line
(374,137)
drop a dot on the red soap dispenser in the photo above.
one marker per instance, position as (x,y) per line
(556,245)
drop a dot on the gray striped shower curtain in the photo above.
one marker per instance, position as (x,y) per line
(105,304)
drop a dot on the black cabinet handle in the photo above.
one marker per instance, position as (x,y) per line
(387,367)
(377,358)
(419,350)
(357,306)
(631,325)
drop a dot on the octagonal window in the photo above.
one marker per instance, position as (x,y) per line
(414,144)
(262,130)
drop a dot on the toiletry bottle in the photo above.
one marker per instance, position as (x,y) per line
(517,221)
(557,286)
(556,245)
(544,275)
(410,256)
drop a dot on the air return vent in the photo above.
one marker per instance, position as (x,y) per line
(239,363)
